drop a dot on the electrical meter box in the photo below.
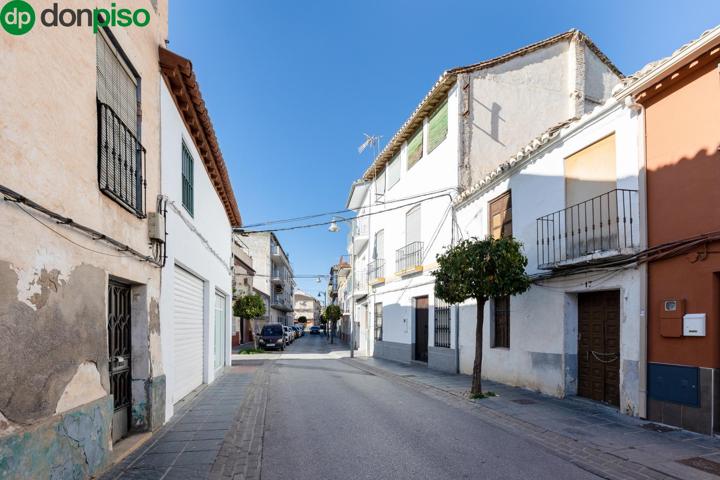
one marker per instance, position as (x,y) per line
(671,317)
(694,325)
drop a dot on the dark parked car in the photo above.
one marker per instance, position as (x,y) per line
(272,336)
(314,330)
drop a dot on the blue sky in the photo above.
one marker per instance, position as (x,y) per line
(292,85)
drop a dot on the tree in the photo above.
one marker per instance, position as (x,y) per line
(479,270)
(333,313)
(302,319)
(249,307)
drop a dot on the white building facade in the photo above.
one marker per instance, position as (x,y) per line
(273,276)
(470,122)
(196,308)
(571,197)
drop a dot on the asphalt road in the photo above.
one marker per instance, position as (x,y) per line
(328,420)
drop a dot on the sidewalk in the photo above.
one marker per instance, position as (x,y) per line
(188,445)
(590,434)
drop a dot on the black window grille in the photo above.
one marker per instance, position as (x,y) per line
(409,257)
(121,156)
(188,180)
(378,321)
(442,324)
(121,161)
(501,322)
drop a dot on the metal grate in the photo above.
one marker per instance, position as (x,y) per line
(600,224)
(121,160)
(376,270)
(409,257)
(442,324)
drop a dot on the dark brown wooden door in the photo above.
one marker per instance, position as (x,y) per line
(421,329)
(599,346)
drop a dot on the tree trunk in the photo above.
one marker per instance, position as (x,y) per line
(253,327)
(476,388)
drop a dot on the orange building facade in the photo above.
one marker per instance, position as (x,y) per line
(681,101)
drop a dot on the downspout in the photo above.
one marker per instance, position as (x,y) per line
(642,198)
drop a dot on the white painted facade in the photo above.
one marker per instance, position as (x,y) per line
(544,321)
(494,109)
(273,276)
(199,244)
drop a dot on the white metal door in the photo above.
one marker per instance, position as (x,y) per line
(219,330)
(188,336)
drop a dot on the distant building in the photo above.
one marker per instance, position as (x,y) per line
(273,276)
(243,277)
(305,305)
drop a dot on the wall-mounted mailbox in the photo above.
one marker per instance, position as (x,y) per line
(694,325)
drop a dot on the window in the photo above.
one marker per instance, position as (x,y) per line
(120,154)
(501,322)
(380,184)
(501,216)
(415,148)
(379,246)
(378,321)
(412,225)
(393,172)
(188,179)
(438,127)
(442,323)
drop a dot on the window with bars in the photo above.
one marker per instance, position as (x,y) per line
(442,323)
(188,179)
(378,321)
(501,322)
(120,153)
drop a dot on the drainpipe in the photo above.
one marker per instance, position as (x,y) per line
(642,199)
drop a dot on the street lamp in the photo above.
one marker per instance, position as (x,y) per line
(334,228)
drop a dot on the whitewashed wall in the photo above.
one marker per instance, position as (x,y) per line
(543,326)
(185,248)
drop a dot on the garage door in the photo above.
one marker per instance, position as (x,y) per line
(188,336)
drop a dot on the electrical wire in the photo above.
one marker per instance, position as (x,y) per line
(242,230)
(346,210)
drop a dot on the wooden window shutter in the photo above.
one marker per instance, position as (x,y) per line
(415,148)
(501,216)
(438,127)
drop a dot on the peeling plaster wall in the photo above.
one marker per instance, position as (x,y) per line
(53,286)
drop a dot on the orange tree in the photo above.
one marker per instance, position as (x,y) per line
(478,270)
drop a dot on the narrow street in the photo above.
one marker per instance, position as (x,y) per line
(324,418)
(327,419)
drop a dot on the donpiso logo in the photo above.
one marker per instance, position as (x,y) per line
(18,17)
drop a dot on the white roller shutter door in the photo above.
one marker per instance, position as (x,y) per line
(188,336)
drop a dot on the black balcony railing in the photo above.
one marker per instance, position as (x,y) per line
(376,269)
(409,257)
(121,161)
(601,224)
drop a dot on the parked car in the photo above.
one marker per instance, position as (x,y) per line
(289,334)
(314,330)
(272,337)
(301,329)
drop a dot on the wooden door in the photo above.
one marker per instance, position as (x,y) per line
(599,346)
(421,329)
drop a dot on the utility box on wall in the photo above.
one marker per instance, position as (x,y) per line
(694,325)
(671,317)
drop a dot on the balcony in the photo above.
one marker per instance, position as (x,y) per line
(360,233)
(281,301)
(121,162)
(592,231)
(360,283)
(408,259)
(376,271)
(279,276)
